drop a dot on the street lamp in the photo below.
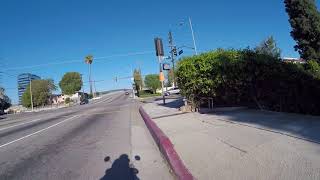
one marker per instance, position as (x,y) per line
(192,34)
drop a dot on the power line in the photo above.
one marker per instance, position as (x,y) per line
(77,61)
(57,84)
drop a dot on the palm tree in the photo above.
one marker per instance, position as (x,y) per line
(88,60)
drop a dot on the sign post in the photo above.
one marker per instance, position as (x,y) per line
(160,54)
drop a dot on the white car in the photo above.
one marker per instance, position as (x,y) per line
(173,91)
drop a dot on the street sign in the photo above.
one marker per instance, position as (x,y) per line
(161,77)
(180,52)
(166,66)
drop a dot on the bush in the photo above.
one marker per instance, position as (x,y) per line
(244,77)
(148,93)
(68,100)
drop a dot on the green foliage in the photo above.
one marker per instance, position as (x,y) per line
(313,68)
(88,59)
(70,83)
(5,102)
(268,47)
(152,81)
(138,81)
(245,77)
(67,100)
(305,21)
(144,94)
(41,91)
(26,98)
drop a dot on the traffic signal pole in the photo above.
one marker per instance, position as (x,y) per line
(160,54)
(161,77)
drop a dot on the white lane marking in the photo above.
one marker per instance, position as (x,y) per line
(20,124)
(37,132)
(111,97)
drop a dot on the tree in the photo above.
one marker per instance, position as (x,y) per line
(70,83)
(41,91)
(89,61)
(5,102)
(313,68)
(269,47)
(152,81)
(137,78)
(247,78)
(305,21)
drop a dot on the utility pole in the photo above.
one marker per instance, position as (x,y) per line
(133,84)
(194,41)
(90,80)
(173,55)
(83,96)
(95,89)
(31,98)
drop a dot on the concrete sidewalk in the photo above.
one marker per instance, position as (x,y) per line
(242,144)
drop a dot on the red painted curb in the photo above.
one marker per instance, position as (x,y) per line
(166,148)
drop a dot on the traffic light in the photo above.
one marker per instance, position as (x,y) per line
(159,47)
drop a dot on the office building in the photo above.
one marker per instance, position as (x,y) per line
(23,82)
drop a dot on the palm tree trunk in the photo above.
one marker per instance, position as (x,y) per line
(90,81)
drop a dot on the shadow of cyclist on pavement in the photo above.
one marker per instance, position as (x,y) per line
(121,169)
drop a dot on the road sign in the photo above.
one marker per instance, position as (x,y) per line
(166,66)
(161,76)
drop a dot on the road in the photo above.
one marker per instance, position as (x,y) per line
(74,143)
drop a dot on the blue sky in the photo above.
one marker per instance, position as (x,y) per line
(37,32)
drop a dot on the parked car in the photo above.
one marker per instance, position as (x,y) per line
(175,90)
(127,93)
(84,101)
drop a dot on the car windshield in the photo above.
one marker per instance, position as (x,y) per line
(159,90)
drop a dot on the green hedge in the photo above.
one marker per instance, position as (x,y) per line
(243,77)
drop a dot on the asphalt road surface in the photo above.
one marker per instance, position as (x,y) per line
(77,142)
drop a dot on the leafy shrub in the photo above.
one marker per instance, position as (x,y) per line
(68,100)
(244,77)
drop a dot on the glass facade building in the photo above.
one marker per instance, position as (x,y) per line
(23,82)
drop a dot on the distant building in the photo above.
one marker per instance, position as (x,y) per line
(57,99)
(293,60)
(23,82)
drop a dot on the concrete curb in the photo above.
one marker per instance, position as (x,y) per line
(166,148)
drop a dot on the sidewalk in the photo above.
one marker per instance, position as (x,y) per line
(242,144)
